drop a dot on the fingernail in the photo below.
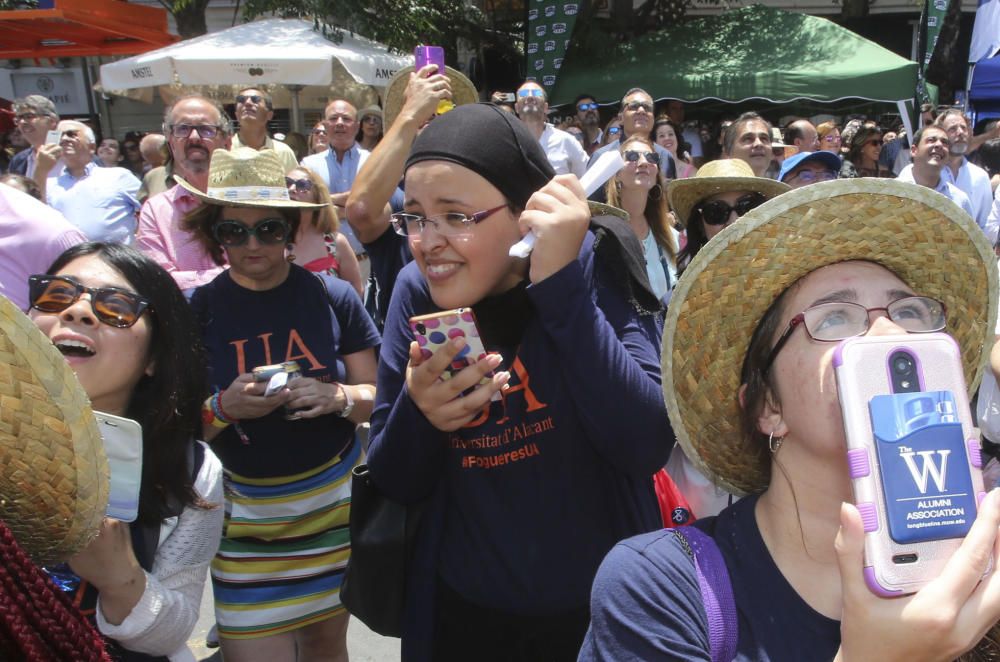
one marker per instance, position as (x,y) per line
(493,360)
(458,342)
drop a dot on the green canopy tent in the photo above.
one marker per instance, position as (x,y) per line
(750,54)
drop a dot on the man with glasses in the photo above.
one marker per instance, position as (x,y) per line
(637,118)
(254,109)
(101,201)
(195,127)
(563,150)
(807,168)
(967,176)
(35,116)
(929,154)
(589,116)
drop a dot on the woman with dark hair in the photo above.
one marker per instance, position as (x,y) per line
(318,245)
(750,387)
(640,189)
(667,134)
(287,440)
(989,159)
(862,155)
(129,336)
(369,127)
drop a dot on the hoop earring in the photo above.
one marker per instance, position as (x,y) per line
(773,444)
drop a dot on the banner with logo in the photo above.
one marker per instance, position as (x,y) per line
(550,26)
(932,20)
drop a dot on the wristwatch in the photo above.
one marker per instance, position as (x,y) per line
(349,407)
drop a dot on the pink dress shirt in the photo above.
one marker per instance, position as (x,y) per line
(159,235)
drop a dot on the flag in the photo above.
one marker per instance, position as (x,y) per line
(986,32)
(931,20)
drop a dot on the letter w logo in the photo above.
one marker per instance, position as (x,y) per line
(937,472)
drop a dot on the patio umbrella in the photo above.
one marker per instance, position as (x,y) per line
(277,54)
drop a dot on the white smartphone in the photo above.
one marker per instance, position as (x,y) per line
(912,452)
(53,137)
(123,446)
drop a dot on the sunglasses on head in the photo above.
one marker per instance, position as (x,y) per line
(269,231)
(111,305)
(530,92)
(632,156)
(299,184)
(717,212)
(586,106)
(243,98)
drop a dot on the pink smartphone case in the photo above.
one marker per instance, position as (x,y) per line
(432,331)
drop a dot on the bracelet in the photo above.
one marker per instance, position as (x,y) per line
(219,411)
(349,407)
(209,415)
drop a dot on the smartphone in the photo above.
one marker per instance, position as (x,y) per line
(53,137)
(433,331)
(123,446)
(913,454)
(424,55)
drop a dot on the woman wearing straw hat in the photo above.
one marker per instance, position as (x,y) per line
(754,404)
(126,331)
(370,127)
(640,189)
(531,476)
(288,454)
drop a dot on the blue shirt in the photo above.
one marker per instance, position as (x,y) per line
(102,203)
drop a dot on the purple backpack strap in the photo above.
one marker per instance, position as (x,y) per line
(716,592)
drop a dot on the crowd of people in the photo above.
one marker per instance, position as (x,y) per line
(636,347)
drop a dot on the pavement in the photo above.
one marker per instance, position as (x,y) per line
(363,645)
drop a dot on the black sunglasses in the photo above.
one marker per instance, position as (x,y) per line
(269,231)
(113,306)
(632,156)
(636,105)
(299,184)
(717,212)
(243,98)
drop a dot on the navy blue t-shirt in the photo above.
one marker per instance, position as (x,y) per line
(243,329)
(646,604)
(388,254)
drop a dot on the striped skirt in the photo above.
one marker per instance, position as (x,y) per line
(284,549)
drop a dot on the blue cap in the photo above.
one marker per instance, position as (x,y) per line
(829,159)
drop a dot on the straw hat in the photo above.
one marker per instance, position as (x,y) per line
(369,110)
(245,177)
(920,235)
(53,470)
(718,177)
(462,91)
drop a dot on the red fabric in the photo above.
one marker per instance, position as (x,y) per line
(674,508)
(323,264)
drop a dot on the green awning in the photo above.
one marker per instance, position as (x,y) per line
(752,53)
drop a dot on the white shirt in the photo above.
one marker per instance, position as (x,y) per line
(564,151)
(993,222)
(693,138)
(945,188)
(975,183)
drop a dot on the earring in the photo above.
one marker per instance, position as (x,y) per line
(290,257)
(773,444)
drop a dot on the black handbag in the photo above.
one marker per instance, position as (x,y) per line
(382,542)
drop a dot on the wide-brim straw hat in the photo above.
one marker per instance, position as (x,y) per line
(918,234)
(462,91)
(53,470)
(245,177)
(720,176)
(369,110)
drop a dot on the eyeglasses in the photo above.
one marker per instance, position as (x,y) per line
(810,176)
(453,224)
(583,107)
(613,131)
(530,92)
(717,212)
(632,156)
(269,231)
(111,305)
(372,119)
(840,320)
(26,117)
(875,141)
(319,132)
(243,98)
(299,184)
(206,131)
(831,138)
(636,105)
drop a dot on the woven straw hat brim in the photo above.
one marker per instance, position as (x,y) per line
(53,470)
(917,233)
(223,202)
(462,92)
(684,194)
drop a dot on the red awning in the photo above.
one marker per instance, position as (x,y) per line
(80,28)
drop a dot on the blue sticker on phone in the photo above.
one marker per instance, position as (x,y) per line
(925,466)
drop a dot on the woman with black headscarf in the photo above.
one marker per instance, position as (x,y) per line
(532,474)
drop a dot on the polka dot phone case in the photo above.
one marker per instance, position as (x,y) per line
(435,330)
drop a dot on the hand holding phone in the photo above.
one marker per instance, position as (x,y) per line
(52,137)
(123,446)
(434,55)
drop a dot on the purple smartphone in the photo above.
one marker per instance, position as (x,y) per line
(424,55)
(912,453)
